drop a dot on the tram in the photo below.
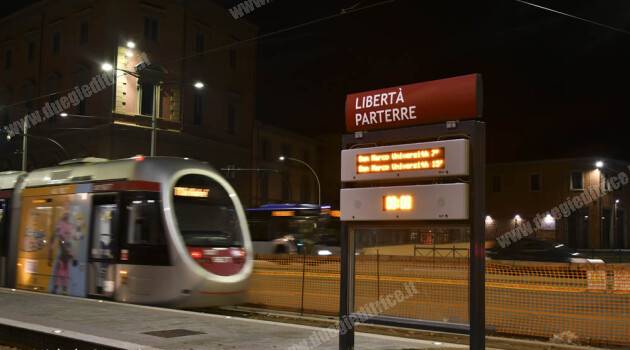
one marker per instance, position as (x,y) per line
(156,231)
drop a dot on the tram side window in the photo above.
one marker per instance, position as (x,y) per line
(4,232)
(144,222)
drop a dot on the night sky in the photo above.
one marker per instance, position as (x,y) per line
(554,86)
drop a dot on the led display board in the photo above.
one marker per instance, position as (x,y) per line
(191,192)
(415,160)
(415,202)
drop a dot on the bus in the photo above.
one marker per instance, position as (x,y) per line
(295,229)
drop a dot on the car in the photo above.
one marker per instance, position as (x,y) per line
(533,249)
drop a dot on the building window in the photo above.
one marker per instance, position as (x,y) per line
(286,150)
(31,51)
(83,33)
(306,189)
(286,186)
(535,183)
(577,180)
(265,150)
(199,42)
(231,119)
(151,28)
(147,99)
(497,183)
(8,56)
(307,156)
(233,59)
(198,109)
(264,187)
(5,116)
(56,42)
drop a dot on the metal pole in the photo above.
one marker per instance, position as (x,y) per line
(25,144)
(156,93)
(346,302)
(303,280)
(477,308)
(378,274)
(319,187)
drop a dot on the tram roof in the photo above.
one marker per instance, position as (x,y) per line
(9,178)
(87,170)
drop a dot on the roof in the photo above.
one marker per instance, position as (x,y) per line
(9,178)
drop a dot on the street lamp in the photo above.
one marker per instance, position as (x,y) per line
(107,67)
(25,136)
(599,164)
(319,187)
(199,85)
(131,44)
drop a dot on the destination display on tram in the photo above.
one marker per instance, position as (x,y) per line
(416,160)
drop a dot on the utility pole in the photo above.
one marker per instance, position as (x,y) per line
(25,144)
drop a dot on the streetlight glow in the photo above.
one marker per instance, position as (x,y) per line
(107,67)
(63,114)
(131,44)
(199,85)
(599,164)
(281,158)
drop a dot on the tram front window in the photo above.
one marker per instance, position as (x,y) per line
(209,224)
(205,213)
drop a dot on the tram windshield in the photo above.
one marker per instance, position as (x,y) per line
(205,213)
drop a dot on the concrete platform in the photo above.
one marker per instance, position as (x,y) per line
(65,322)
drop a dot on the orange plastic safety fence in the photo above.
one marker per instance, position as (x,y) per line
(531,299)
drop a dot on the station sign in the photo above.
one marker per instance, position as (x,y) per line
(456,98)
(406,161)
(397,203)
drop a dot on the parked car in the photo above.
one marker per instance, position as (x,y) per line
(532,249)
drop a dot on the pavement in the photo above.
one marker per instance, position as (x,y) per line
(126,326)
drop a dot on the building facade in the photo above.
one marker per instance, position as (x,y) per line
(53,46)
(287,181)
(523,191)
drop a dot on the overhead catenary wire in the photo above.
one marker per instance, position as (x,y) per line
(342,12)
(599,24)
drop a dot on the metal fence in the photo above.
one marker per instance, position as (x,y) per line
(526,299)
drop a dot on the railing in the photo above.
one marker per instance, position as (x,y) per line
(526,299)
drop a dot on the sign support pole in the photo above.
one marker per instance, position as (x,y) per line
(476,298)
(346,302)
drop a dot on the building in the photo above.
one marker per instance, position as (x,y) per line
(287,181)
(51,47)
(520,191)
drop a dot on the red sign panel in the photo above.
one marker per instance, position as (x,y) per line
(422,103)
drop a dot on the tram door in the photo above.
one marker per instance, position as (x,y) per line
(103,244)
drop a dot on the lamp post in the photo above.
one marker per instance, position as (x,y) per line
(599,165)
(25,136)
(319,187)
(152,74)
(24,144)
